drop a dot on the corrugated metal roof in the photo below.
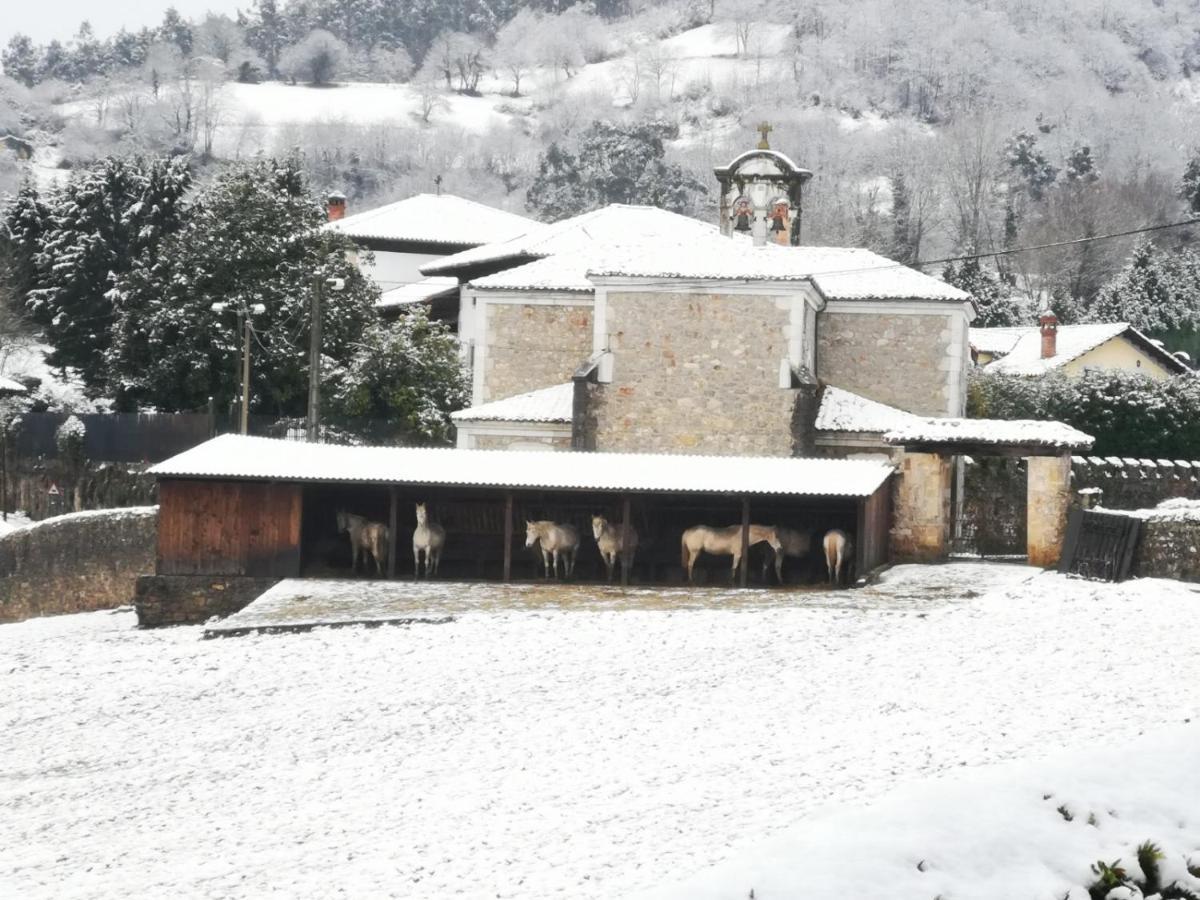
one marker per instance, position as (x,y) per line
(237,457)
(1012,432)
(551,404)
(435,219)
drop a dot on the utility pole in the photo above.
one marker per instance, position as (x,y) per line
(245,323)
(314,364)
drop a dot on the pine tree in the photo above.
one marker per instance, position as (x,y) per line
(1156,292)
(614,164)
(103,221)
(1189,189)
(21,231)
(902,249)
(20,60)
(994,300)
(251,237)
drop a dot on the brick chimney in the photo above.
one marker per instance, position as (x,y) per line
(1049,324)
(335,203)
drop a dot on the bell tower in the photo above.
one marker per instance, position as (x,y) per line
(761,194)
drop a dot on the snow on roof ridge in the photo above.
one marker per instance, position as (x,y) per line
(549,404)
(1030,432)
(240,457)
(409,219)
(842,410)
(1071,342)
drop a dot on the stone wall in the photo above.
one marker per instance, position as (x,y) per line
(1048,495)
(75,563)
(523,442)
(921,508)
(193,599)
(695,373)
(533,346)
(904,361)
(1169,547)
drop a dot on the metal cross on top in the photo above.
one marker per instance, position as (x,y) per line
(764,129)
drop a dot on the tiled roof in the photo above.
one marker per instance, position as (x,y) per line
(435,219)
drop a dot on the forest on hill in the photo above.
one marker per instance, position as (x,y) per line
(935,127)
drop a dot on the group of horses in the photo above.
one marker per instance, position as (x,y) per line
(558,543)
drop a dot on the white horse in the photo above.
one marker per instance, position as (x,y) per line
(613,540)
(837,554)
(430,537)
(554,540)
(366,538)
(723,542)
(794,543)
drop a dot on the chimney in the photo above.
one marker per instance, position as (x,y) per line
(1049,324)
(336,205)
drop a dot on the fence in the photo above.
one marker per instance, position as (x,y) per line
(153,437)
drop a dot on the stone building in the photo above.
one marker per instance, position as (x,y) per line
(631,329)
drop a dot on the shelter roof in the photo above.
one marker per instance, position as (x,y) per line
(551,404)
(9,386)
(237,457)
(1010,433)
(417,292)
(433,219)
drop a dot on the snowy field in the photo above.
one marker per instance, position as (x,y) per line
(542,751)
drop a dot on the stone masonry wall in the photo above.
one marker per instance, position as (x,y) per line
(193,599)
(75,563)
(695,373)
(1169,547)
(921,508)
(900,360)
(504,441)
(533,346)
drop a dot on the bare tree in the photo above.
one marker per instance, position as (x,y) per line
(515,47)
(426,84)
(743,15)
(661,69)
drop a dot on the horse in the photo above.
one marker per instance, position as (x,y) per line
(430,537)
(554,539)
(795,544)
(837,554)
(723,542)
(366,537)
(614,539)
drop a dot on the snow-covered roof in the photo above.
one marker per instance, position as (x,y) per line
(839,273)
(614,224)
(418,292)
(239,457)
(1020,349)
(1011,432)
(781,159)
(551,404)
(434,219)
(843,411)
(8,386)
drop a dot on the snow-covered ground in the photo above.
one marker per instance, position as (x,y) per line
(542,752)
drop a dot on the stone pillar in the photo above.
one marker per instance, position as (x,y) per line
(921,519)
(1049,496)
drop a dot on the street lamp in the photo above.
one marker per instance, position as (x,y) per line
(244,326)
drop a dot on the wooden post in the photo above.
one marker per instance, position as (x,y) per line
(626,524)
(744,573)
(508,535)
(393,528)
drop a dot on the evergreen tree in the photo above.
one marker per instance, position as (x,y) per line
(266,32)
(177,30)
(21,231)
(902,249)
(1023,157)
(614,164)
(994,299)
(103,220)
(407,373)
(1157,292)
(20,60)
(251,237)
(1189,189)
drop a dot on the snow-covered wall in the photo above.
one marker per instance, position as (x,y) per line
(75,563)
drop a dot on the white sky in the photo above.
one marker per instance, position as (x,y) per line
(43,20)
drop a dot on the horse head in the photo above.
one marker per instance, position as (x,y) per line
(341,521)
(531,533)
(599,525)
(421,514)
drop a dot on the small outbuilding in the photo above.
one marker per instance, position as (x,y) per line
(261,508)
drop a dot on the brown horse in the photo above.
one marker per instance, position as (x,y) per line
(366,537)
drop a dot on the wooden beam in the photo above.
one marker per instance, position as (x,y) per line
(861,536)
(744,569)
(393,528)
(508,534)
(626,524)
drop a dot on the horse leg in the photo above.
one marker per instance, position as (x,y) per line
(779,566)
(737,558)
(437,559)
(416,562)
(545,563)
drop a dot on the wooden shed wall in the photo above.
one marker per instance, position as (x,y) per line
(874,525)
(229,528)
